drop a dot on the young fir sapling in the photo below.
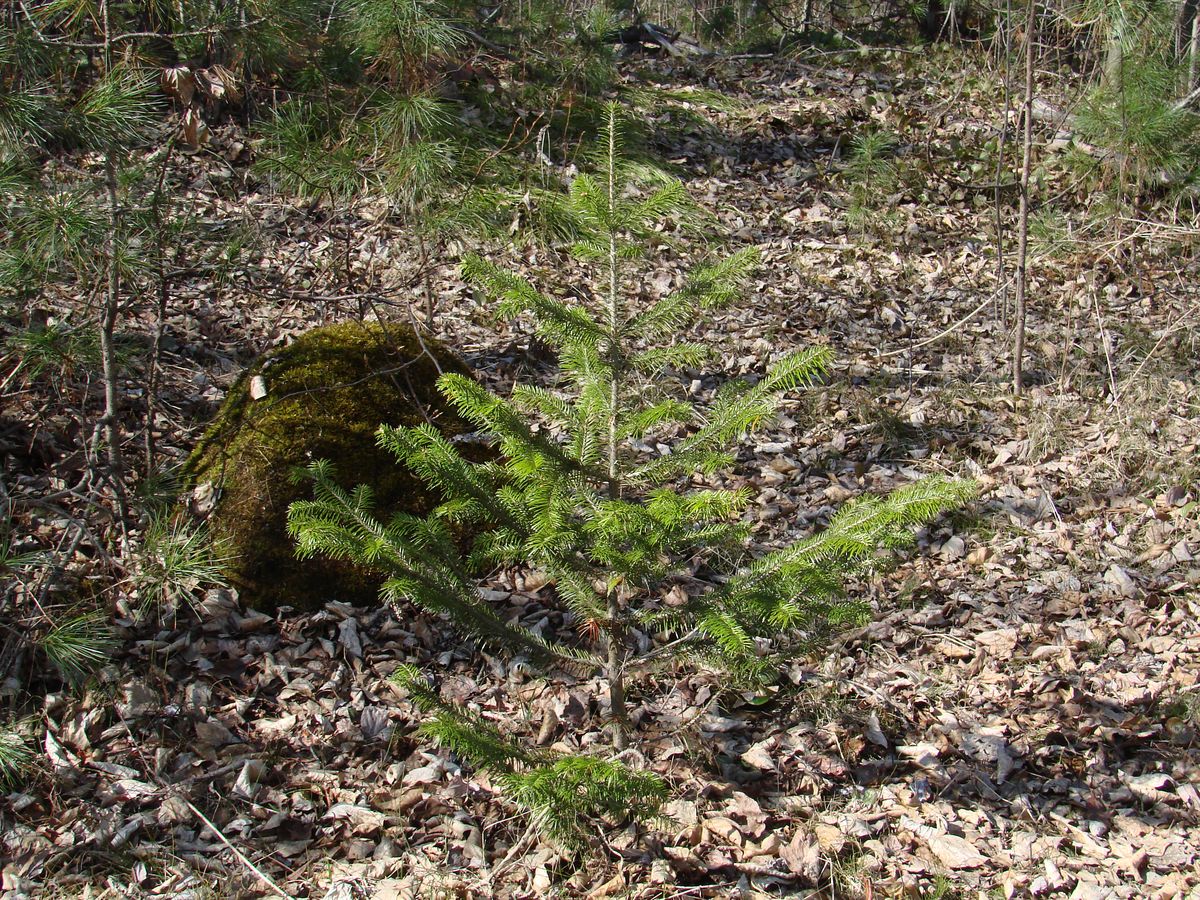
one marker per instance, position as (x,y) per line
(615,529)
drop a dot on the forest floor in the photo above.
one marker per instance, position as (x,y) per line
(1020,718)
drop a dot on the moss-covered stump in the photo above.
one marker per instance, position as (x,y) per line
(326,395)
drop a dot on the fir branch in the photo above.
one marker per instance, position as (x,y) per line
(427,452)
(567,795)
(563,793)
(856,530)
(563,325)
(675,356)
(637,425)
(707,287)
(527,452)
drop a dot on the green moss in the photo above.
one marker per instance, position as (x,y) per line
(327,393)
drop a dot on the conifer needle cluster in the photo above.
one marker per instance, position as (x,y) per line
(618,530)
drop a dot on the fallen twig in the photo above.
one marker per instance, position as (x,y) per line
(957,325)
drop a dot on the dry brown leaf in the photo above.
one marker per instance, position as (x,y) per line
(803,856)
(955,852)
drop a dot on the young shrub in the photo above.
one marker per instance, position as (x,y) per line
(16,754)
(53,640)
(872,175)
(1138,112)
(57,350)
(176,558)
(79,644)
(392,135)
(616,529)
(1150,139)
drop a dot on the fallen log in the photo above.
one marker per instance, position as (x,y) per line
(646,35)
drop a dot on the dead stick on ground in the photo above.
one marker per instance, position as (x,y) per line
(242,858)
(1106,342)
(523,842)
(957,325)
(1179,323)
(209,824)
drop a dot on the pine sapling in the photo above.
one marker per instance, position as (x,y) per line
(646,557)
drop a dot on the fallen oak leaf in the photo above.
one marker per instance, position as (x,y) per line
(802,854)
(955,852)
(362,819)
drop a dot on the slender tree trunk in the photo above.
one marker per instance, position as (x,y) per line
(1114,55)
(615,667)
(112,306)
(1183,28)
(160,316)
(1194,53)
(1001,273)
(615,674)
(108,353)
(430,304)
(934,20)
(1114,59)
(1187,29)
(1023,220)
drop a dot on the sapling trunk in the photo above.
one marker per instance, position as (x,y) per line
(1023,220)
(430,304)
(614,667)
(1001,274)
(615,675)
(108,316)
(1194,52)
(108,355)
(160,313)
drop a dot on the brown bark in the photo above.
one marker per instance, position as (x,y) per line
(1023,220)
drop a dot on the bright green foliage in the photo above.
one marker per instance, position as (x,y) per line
(176,558)
(871,160)
(395,134)
(568,63)
(75,643)
(252,36)
(1137,120)
(13,560)
(563,793)
(873,176)
(581,500)
(392,133)
(48,94)
(1132,113)
(55,227)
(402,33)
(79,644)
(115,111)
(408,148)
(16,754)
